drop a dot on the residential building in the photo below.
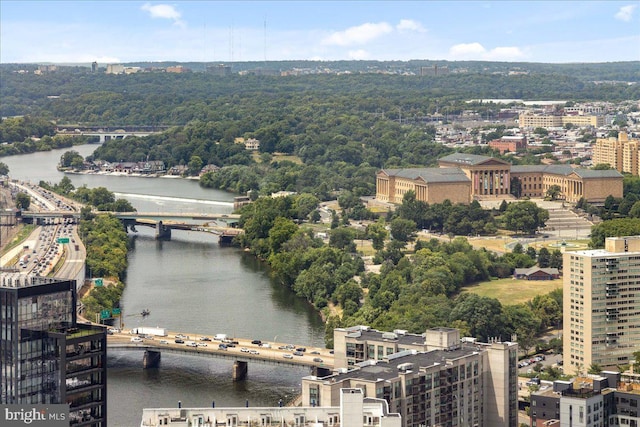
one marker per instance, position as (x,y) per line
(511,144)
(434,379)
(46,357)
(601,305)
(465,177)
(603,400)
(352,410)
(620,153)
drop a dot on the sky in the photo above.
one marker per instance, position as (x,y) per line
(226,31)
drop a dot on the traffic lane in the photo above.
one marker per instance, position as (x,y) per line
(213,346)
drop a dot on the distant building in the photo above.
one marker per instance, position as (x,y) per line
(177,69)
(533,120)
(353,409)
(434,70)
(434,379)
(464,177)
(601,305)
(219,70)
(620,153)
(94,67)
(46,357)
(434,185)
(510,144)
(252,144)
(115,69)
(536,273)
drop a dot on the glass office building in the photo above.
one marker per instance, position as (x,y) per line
(46,357)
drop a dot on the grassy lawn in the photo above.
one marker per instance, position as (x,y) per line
(512,291)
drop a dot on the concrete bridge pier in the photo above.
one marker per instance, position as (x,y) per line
(151,359)
(162,231)
(239,370)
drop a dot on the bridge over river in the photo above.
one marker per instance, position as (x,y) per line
(163,222)
(319,360)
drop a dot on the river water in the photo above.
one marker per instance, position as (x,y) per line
(189,284)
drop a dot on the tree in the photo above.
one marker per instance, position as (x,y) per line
(602,167)
(525,217)
(594,369)
(403,230)
(342,238)
(23,201)
(554,191)
(195,165)
(555,260)
(4,169)
(378,234)
(543,257)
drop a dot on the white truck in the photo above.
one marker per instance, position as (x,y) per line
(146,330)
(220,337)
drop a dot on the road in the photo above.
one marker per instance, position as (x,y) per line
(323,357)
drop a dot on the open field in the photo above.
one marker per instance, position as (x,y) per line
(511,291)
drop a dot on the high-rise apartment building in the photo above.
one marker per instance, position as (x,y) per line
(46,357)
(436,379)
(620,153)
(601,305)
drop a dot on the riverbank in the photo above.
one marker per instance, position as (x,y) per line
(131,174)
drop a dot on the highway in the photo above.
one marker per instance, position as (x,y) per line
(244,350)
(53,248)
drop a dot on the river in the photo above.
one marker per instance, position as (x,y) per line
(189,284)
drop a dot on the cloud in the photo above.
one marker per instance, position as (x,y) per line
(358,35)
(625,13)
(359,54)
(507,53)
(477,51)
(466,49)
(163,11)
(410,25)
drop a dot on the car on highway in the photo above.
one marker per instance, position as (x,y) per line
(256,342)
(164,342)
(287,356)
(191,344)
(222,347)
(301,349)
(136,339)
(179,341)
(315,352)
(298,353)
(254,352)
(317,360)
(244,350)
(205,339)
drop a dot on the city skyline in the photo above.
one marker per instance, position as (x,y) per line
(217,31)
